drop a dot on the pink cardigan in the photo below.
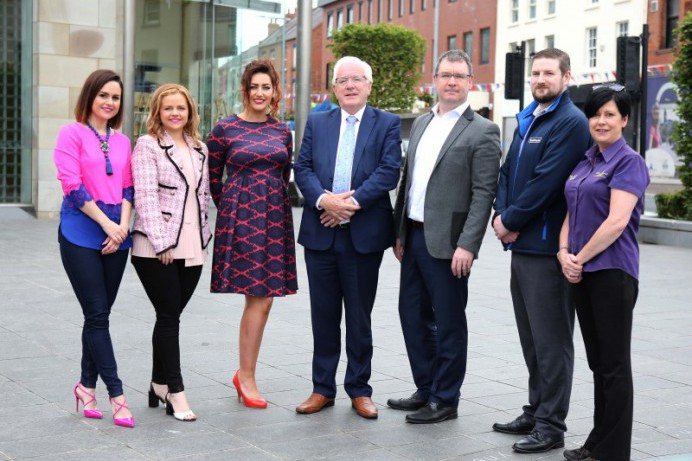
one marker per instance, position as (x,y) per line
(161,190)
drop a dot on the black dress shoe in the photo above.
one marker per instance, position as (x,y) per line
(521,425)
(412,403)
(537,442)
(431,413)
(578,454)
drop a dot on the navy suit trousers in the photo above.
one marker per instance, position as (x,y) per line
(340,274)
(432,309)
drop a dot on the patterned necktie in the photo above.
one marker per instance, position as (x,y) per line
(344,158)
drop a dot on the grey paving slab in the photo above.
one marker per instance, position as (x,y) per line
(40,325)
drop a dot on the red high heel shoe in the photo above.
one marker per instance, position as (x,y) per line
(94,413)
(250,403)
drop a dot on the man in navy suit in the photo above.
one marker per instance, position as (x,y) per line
(349,161)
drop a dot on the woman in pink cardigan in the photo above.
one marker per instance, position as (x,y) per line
(171,232)
(93,164)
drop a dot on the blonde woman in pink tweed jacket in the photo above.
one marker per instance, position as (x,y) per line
(171,233)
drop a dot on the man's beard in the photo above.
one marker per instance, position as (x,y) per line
(550,96)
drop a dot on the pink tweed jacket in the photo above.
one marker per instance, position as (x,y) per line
(161,190)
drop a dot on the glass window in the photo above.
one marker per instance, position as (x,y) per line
(532,9)
(530,51)
(551,6)
(622,28)
(330,24)
(591,46)
(369,11)
(672,14)
(468,43)
(485,45)
(339,19)
(654,6)
(412,6)
(423,5)
(550,41)
(401,8)
(349,14)
(152,13)
(206,47)
(390,9)
(452,42)
(515,11)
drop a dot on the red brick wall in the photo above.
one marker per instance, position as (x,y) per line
(658,54)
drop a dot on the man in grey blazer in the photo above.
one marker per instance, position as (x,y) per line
(441,214)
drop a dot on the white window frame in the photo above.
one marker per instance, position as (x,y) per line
(514,13)
(533,9)
(622,28)
(152,12)
(592,47)
(530,51)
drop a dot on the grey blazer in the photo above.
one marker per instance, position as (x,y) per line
(461,188)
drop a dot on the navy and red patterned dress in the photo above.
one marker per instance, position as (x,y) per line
(254,247)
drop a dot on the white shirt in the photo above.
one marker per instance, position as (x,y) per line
(427,151)
(359,116)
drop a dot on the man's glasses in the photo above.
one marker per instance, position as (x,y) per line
(616,87)
(447,76)
(343,81)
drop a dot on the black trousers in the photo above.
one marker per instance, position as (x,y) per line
(605,300)
(169,288)
(545,320)
(95,279)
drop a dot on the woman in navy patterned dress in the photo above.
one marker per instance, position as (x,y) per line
(254,247)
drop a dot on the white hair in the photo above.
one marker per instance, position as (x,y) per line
(367,70)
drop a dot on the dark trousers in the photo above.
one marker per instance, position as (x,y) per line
(335,275)
(432,309)
(95,279)
(169,288)
(605,300)
(545,320)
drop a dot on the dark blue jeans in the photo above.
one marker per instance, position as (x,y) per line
(95,279)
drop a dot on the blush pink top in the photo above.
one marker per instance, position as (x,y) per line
(189,245)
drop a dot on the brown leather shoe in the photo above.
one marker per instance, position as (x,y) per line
(364,407)
(314,403)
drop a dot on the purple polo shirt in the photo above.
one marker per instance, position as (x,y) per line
(587,191)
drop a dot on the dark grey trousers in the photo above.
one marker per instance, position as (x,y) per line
(545,319)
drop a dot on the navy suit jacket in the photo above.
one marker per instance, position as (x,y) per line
(376,166)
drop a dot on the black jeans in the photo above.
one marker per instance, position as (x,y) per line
(95,279)
(605,302)
(169,288)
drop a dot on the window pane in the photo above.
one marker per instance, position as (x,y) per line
(468,43)
(485,46)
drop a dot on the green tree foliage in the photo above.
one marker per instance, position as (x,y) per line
(679,205)
(395,54)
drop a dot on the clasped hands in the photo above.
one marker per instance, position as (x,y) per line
(502,233)
(117,233)
(571,268)
(337,208)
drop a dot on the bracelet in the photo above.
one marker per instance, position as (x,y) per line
(562,248)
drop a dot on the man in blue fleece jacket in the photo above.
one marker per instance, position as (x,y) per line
(552,137)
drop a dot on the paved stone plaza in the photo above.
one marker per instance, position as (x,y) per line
(40,324)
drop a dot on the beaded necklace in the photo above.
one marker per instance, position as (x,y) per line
(104,146)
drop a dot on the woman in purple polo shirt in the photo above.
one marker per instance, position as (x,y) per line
(600,258)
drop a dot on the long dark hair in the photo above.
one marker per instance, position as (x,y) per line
(262,66)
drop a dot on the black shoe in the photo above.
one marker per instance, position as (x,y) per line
(521,425)
(537,442)
(578,454)
(431,413)
(412,403)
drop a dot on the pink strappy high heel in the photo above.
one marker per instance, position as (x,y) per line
(95,413)
(124,422)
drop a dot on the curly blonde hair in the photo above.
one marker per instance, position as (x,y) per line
(154,125)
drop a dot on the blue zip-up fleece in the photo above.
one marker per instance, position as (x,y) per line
(530,192)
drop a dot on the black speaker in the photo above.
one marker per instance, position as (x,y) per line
(514,75)
(627,66)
